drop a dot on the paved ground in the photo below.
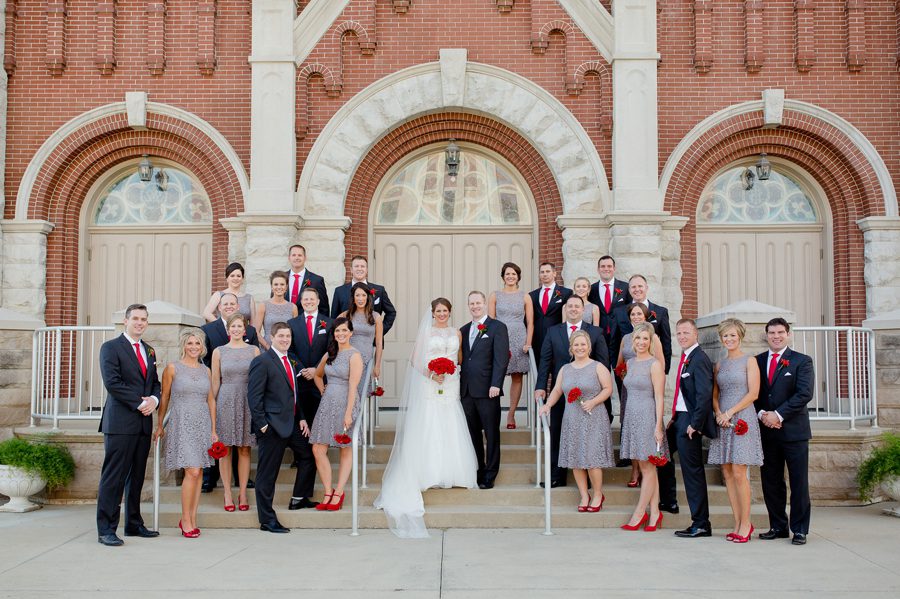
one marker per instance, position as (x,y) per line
(852,552)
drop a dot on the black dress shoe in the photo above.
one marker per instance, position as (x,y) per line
(303,502)
(207,488)
(622,463)
(773,533)
(143,531)
(672,508)
(692,532)
(250,484)
(554,484)
(486,485)
(110,540)
(799,539)
(274,527)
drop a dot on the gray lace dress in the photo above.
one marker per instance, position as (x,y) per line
(511,312)
(585,439)
(627,354)
(188,434)
(639,424)
(729,448)
(330,415)
(363,338)
(588,315)
(232,409)
(276,313)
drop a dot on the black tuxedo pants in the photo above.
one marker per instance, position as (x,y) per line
(794,454)
(124,467)
(693,471)
(270,448)
(483,417)
(306,462)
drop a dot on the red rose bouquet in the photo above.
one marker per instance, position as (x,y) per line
(659,458)
(621,370)
(440,366)
(217,451)
(342,438)
(740,427)
(378,391)
(574,395)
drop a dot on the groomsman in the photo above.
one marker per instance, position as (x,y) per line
(692,419)
(128,368)
(784,390)
(485,356)
(299,278)
(547,301)
(309,343)
(659,318)
(555,355)
(381,303)
(216,336)
(277,420)
(608,293)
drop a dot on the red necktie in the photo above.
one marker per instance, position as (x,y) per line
(137,350)
(288,371)
(772,366)
(573,327)
(295,289)
(545,301)
(677,384)
(309,328)
(607,300)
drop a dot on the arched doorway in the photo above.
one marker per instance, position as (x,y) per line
(156,236)
(767,243)
(435,235)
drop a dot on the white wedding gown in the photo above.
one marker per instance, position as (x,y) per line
(432,447)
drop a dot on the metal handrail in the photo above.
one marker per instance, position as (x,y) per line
(156,474)
(361,422)
(542,433)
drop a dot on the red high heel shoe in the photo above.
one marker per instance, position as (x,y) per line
(634,483)
(190,534)
(596,508)
(740,539)
(643,521)
(583,508)
(244,507)
(651,528)
(731,536)
(333,507)
(229,508)
(323,507)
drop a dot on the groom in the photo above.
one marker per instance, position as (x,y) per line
(485,356)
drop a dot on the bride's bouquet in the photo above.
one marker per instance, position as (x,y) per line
(440,366)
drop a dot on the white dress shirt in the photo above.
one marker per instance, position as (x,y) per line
(766,374)
(680,405)
(131,342)
(569,326)
(473,332)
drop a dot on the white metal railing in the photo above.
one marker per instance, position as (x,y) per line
(844,361)
(360,425)
(65,375)
(542,428)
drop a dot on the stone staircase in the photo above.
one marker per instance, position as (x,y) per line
(514,502)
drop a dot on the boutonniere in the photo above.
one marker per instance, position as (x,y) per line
(293,362)
(557,293)
(306,283)
(785,363)
(618,291)
(481,329)
(150,352)
(653,316)
(322,324)
(685,365)
(372,292)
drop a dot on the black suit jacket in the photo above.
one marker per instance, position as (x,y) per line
(555,351)
(309,356)
(790,392)
(484,366)
(620,297)
(125,386)
(381,303)
(659,318)
(313,280)
(217,336)
(554,315)
(696,388)
(271,399)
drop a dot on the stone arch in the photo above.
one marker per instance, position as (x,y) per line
(453,85)
(840,166)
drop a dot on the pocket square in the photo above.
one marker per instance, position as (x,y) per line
(559,301)
(787,374)
(321,332)
(377,300)
(685,375)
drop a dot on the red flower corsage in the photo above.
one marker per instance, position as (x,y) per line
(785,363)
(306,283)
(618,292)
(342,438)
(659,458)
(378,391)
(217,451)
(150,352)
(652,314)
(621,370)
(372,292)
(322,324)
(740,427)
(574,395)
(482,328)
(557,293)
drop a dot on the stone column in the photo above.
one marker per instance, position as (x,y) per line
(882,269)
(267,239)
(323,238)
(670,286)
(24,266)
(887,366)
(585,239)
(237,239)
(16,332)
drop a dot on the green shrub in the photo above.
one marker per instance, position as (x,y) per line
(882,464)
(51,461)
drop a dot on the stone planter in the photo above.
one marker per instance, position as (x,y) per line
(891,488)
(19,485)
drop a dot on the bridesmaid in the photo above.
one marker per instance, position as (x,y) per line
(230,372)
(192,426)
(736,387)
(582,288)
(642,431)
(585,441)
(512,307)
(234,277)
(338,410)
(368,327)
(277,309)
(637,313)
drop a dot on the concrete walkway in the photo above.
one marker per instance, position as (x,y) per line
(53,552)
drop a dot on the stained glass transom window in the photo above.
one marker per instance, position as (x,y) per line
(483,193)
(171,198)
(779,200)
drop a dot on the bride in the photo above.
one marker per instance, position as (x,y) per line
(432,447)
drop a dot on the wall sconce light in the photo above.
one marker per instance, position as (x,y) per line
(452,159)
(145,169)
(763,167)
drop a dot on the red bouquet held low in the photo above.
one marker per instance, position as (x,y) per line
(740,427)
(659,458)
(621,370)
(440,366)
(342,438)
(217,451)
(378,391)
(574,395)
